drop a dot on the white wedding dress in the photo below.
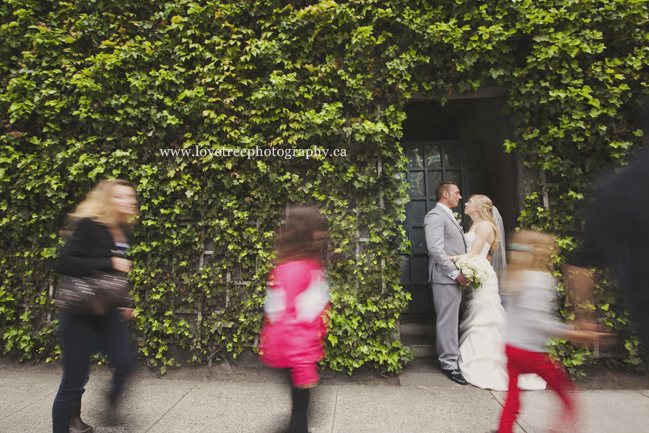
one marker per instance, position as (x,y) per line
(482,358)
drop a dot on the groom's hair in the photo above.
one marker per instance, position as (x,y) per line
(444,186)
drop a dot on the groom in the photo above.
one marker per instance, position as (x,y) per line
(445,237)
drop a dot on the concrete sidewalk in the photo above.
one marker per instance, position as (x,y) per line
(425,402)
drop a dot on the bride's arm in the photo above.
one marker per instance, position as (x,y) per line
(482,233)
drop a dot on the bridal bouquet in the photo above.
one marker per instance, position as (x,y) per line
(475,269)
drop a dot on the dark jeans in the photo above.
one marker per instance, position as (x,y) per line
(94,348)
(79,333)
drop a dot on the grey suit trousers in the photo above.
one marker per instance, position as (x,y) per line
(447,299)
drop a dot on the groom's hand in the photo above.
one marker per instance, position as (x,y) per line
(489,258)
(462,279)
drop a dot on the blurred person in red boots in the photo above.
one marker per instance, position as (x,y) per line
(296,307)
(531,322)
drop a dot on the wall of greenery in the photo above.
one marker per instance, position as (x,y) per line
(96,89)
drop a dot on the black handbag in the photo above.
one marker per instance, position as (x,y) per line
(97,293)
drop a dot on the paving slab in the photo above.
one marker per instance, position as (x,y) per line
(243,407)
(428,379)
(429,403)
(19,391)
(144,402)
(414,409)
(36,394)
(521,425)
(322,408)
(601,411)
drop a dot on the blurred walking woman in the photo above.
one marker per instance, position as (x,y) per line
(100,220)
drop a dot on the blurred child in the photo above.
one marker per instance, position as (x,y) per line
(297,300)
(531,321)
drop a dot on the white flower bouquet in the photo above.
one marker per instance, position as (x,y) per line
(475,269)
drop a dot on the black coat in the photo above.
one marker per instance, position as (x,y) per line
(89,249)
(617,235)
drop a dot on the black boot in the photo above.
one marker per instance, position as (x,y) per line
(299,417)
(76,424)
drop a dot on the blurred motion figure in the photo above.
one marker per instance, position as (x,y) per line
(531,321)
(296,308)
(617,235)
(99,235)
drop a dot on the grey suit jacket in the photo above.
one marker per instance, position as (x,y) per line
(444,237)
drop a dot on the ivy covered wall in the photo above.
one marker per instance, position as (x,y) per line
(97,89)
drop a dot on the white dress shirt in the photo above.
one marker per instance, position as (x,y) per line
(450,212)
(446,208)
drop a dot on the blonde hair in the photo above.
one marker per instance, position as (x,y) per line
(98,206)
(486,210)
(528,250)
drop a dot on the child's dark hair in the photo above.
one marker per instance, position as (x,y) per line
(302,236)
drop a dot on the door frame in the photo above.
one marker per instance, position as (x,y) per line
(413,279)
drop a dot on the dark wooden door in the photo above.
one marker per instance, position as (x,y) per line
(429,163)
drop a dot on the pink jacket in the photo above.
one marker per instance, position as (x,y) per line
(293,334)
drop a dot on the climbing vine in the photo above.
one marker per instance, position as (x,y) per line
(149,90)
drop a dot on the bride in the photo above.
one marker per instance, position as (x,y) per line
(482,357)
